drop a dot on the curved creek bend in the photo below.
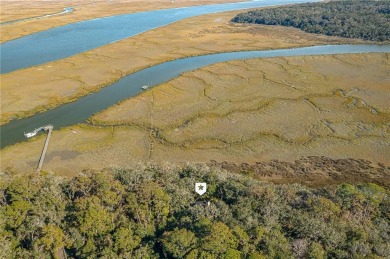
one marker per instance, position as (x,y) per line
(80,110)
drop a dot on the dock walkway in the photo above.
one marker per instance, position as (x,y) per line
(48,128)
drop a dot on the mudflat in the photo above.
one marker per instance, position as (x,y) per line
(240,112)
(27,91)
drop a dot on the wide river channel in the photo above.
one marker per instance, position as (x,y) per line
(68,40)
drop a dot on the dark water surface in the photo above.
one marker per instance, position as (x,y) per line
(82,109)
(68,40)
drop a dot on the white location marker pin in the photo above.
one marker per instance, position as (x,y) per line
(200,188)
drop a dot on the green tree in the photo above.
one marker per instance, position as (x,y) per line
(276,245)
(125,240)
(53,240)
(149,207)
(232,254)
(243,240)
(16,213)
(107,189)
(178,243)
(219,240)
(256,255)
(352,19)
(92,218)
(316,251)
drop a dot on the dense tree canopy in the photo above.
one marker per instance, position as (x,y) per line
(369,20)
(153,212)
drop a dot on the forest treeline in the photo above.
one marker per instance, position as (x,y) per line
(368,20)
(153,212)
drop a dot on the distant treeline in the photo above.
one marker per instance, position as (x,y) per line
(154,212)
(368,20)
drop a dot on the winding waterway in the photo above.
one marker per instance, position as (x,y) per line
(82,109)
(65,11)
(72,39)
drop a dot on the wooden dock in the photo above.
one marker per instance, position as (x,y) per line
(49,129)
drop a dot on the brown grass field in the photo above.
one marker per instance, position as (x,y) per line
(326,114)
(27,91)
(245,111)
